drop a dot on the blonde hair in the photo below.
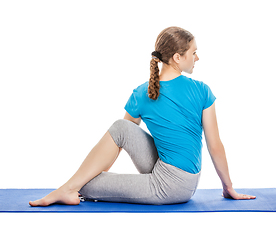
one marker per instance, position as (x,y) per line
(170,41)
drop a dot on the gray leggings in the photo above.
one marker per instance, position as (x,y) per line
(158,182)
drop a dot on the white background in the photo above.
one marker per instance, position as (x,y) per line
(67,69)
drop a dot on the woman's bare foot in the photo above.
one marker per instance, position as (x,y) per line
(61,196)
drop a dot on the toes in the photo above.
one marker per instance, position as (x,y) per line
(41,202)
(59,197)
(33,203)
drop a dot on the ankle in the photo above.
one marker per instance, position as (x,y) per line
(69,188)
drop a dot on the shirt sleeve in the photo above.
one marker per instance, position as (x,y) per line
(132,105)
(209,97)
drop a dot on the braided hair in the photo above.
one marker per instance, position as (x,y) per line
(154,85)
(170,41)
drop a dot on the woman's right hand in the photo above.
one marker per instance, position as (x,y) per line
(231,193)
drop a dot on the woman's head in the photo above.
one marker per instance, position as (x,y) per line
(171,47)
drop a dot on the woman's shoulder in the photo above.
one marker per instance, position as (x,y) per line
(198,84)
(141,91)
(142,88)
(194,81)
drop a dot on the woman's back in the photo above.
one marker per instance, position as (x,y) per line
(174,119)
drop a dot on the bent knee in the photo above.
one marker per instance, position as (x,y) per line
(119,124)
(118,131)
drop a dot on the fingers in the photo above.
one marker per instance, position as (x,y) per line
(234,195)
(244,196)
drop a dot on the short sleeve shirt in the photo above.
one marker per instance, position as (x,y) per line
(174,119)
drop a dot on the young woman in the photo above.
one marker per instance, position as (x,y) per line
(175,109)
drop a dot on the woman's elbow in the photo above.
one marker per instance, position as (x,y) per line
(215,148)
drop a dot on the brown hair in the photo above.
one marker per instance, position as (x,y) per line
(170,41)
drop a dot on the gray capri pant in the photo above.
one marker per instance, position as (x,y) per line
(158,182)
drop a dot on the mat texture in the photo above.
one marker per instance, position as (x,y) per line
(204,200)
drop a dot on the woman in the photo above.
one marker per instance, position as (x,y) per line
(175,109)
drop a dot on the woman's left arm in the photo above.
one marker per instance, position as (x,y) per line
(217,153)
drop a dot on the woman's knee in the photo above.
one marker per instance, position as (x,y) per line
(120,124)
(118,131)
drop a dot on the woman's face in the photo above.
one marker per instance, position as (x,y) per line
(187,61)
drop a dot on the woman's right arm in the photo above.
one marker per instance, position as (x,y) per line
(217,153)
(132,119)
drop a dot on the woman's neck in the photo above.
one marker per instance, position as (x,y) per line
(168,73)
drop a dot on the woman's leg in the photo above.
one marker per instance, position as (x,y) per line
(122,134)
(159,183)
(137,188)
(100,158)
(137,143)
(165,185)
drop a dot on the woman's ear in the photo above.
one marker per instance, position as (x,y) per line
(176,57)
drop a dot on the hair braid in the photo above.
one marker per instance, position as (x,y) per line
(170,41)
(154,85)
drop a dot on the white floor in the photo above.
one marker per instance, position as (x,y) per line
(138,226)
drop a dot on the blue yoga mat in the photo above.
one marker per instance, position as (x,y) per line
(204,200)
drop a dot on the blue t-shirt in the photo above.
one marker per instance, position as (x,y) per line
(174,119)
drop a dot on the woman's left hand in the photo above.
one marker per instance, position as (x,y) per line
(231,193)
